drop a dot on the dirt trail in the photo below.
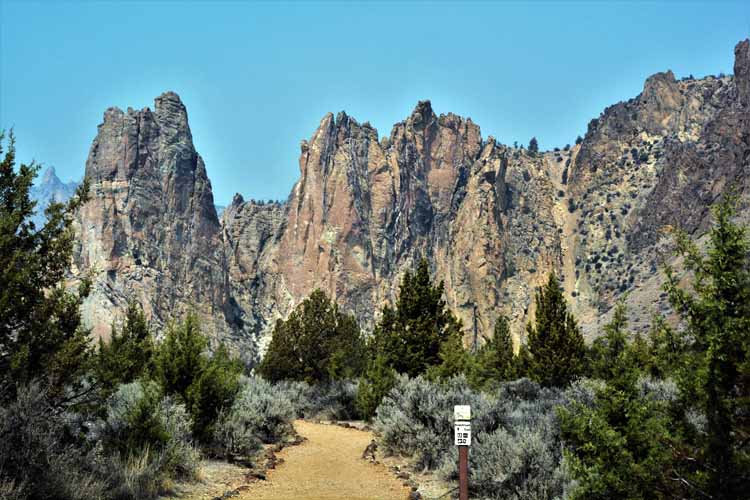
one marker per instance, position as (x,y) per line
(327,466)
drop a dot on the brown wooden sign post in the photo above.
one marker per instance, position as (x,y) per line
(463,473)
(462,439)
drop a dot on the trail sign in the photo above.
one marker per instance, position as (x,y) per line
(462,433)
(462,439)
(462,412)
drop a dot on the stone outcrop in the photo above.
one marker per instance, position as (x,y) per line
(150,232)
(493,220)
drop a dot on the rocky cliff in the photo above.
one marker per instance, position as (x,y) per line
(150,232)
(493,220)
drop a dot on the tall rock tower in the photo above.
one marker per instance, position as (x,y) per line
(150,231)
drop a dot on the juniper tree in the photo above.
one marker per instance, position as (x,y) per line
(375,384)
(129,354)
(495,361)
(618,447)
(608,348)
(410,336)
(41,335)
(455,359)
(533,146)
(555,345)
(205,383)
(179,359)
(715,371)
(213,390)
(667,349)
(317,343)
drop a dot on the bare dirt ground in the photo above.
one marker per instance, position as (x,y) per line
(216,478)
(327,466)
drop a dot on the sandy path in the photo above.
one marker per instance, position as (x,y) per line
(328,465)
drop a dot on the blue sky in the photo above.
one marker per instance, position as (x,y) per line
(257,77)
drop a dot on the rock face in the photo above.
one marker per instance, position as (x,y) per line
(150,232)
(493,220)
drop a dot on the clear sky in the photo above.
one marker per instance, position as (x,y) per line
(257,77)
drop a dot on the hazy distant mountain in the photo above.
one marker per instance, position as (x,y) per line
(492,219)
(50,188)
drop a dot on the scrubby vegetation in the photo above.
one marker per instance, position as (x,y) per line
(631,416)
(257,415)
(516,450)
(119,422)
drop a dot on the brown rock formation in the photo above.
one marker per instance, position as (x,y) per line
(492,220)
(150,232)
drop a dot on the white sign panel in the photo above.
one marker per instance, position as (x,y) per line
(462,412)
(462,433)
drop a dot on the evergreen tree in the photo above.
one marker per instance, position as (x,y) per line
(454,359)
(667,349)
(716,373)
(611,346)
(212,391)
(41,336)
(376,383)
(641,354)
(179,360)
(555,344)
(410,336)
(206,384)
(128,355)
(317,343)
(495,361)
(533,147)
(523,362)
(617,447)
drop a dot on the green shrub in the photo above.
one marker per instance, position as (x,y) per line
(146,439)
(377,382)
(206,384)
(212,391)
(133,421)
(179,359)
(128,355)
